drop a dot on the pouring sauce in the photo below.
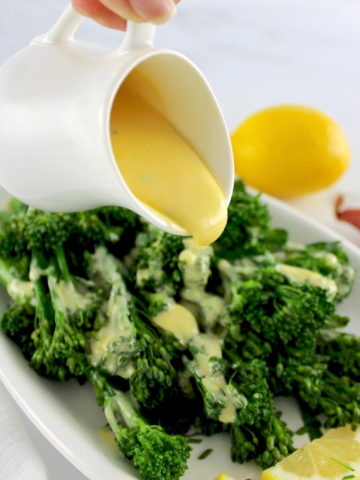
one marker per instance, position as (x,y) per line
(160,167)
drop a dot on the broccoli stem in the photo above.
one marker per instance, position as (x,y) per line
(60,317)
(44,310)
(312,425)
(62,263)
(42,359)
(114,401)
(120,402)
(44,313)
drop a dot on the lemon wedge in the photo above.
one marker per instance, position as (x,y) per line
(335,456)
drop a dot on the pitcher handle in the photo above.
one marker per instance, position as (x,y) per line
(138,35)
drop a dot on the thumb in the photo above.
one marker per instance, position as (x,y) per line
(97,11)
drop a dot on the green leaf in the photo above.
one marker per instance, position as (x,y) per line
(205,454)
(343,464)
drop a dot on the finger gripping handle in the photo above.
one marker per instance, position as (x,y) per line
(137,35)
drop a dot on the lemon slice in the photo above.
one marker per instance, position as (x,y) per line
(335,456)
(224,476)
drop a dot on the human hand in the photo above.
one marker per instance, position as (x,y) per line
(115,13)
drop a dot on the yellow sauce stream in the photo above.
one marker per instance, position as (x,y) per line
(161,168)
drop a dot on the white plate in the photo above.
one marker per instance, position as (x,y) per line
(68,416)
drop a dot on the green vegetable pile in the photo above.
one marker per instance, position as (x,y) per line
(256,319)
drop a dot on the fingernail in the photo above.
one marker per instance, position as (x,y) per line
(156,11)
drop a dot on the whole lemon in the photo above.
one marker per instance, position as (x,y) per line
(290,150)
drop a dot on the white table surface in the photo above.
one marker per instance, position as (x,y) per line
(254,53)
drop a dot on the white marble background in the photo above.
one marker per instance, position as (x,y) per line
(255,53)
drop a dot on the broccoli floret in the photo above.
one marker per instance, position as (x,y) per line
(343,351)
(154,263)
(12,240)
(28,321)
(121,223)
(154,374)
(127,345)
(327,258)
(276,442)
(157,455)
(18,324)
(65,305)
(250,379)
(307,377)
(338,399)
(110,226)
(248,345)
(75,302)
(107,225)
(267,302)
(27,228)
(248,231)
(291,366)
(72,301)
(268,443)
(258,433)
(46,231)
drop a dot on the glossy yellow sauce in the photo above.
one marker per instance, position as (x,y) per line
(182,323)
(179,321)
(107,437)
(160,167)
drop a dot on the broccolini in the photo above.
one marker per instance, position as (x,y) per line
(174,337)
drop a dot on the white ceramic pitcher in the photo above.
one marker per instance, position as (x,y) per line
(56,97)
